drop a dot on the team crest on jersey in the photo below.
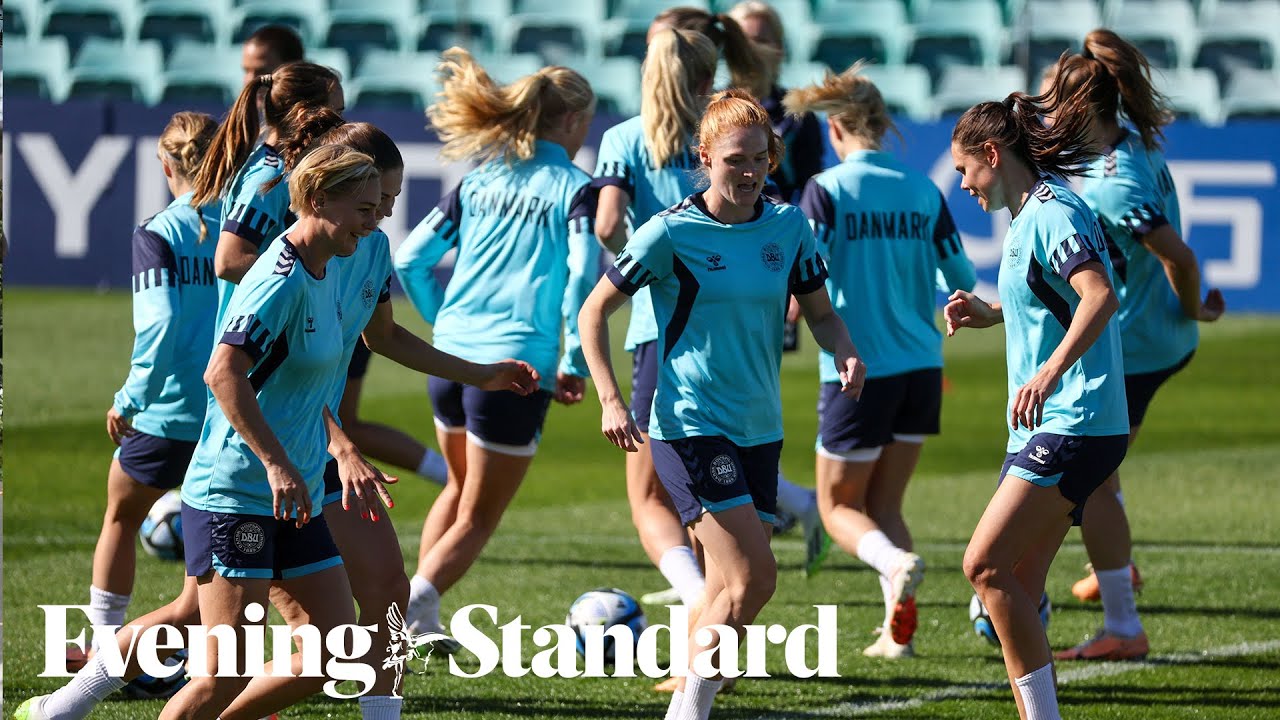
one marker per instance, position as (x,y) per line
(249,538)
(771,255)
(723,470)
(366,294)
(714,263)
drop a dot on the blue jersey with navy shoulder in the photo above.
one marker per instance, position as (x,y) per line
(287,321)
(624,162)
(720,298)
(527,259)
(1053,234)
(175,299)
(364,281)
(248,212)
(885,232)
(1132,192)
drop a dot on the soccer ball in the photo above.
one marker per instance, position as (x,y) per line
(605,607)
(982,626)
(147,687)
(161,531)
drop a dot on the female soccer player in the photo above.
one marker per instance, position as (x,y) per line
(742,59)
(884,231)
(720,265)
(156,416)
(1068,428)
(1157,281)
(645,166)
(521,223)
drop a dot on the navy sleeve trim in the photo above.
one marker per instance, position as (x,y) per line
(623,183)
(248,333)
(1144,219)
(445,218)
(817,205)
(620,282)
(814,272)
(385,295)
(248,223)
(154,264)
(582,210)
(1071,254)
(946,239)
(628,275)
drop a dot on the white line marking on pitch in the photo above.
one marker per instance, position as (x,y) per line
(1066,677)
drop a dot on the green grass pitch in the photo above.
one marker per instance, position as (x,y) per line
(1202,486)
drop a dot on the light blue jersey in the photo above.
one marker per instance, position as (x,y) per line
(249,213)
(720,299)
(527,258)
(287,321)
(885,232)
(624,162)
(1132,192)
(1053,235)
(364,281)
(175,299)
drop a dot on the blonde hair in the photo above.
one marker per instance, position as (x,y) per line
(478,119)
(850,99)
(185,140)
(771,56)
(733,110)
(742,57)
(677,65)
(333,169)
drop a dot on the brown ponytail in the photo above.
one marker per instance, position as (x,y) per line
(1144,106)
(1016,125)
(747,69)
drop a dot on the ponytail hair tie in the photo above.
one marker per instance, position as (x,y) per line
(265,80)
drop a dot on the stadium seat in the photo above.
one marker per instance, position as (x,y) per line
(1048,27)
(624,32)
(1164,30)
(506,68)
(1192,93)
(905,89)
(116,70)
(79,20)
(476,25)
(307,17)
(556,30)
(386,79)
(615,81)
(1252,93)
(849,30)
(1239,34)
(962,87)
(335,58)
(199,72)
(37,67)
(22,18)
(358,26)
(799,74)
(958,32)
(172,21)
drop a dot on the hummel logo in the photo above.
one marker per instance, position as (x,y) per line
(1040,454)
(715,265)
(311,324)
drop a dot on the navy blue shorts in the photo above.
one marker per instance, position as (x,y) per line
(255,546)
(154,461)
(359,360)
(332,483)
(497,420)
(906,404)
(1140,388)
(712,474)
(644,382)
(1077,465)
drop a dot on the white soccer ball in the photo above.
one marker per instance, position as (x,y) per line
(984,628)
(161,531)
(605,607)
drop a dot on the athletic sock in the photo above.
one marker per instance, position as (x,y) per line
(793,499)
(699,693)
(877,550)
(1119,609)
(433,467)
(673,710)
(89,687)
(680,567)
(1039,696)
(106,608)
(380,707)
(424,603)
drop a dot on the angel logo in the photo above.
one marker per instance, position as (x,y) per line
(403,646)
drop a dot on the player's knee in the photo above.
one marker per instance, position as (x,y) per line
(978,569)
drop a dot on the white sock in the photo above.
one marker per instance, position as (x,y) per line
(699,693)
(106,608)
(424,602)
(89,687)
(793,499)
(886,589)
(877,550)
(677,698)
(680,567)
(1119,609)
(380,707)
(1039,696)
(433,467)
